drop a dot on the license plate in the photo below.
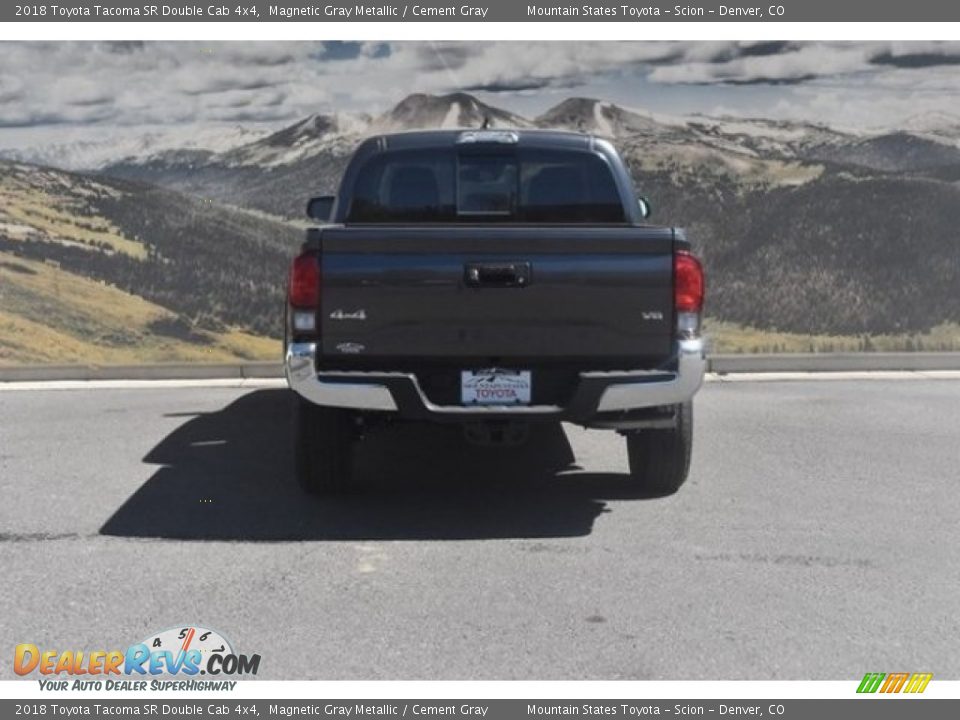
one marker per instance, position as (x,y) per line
(495,387)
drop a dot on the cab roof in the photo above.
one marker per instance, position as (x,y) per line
(422,139)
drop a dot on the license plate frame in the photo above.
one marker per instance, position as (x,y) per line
(496,386)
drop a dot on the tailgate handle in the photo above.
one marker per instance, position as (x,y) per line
(516,274)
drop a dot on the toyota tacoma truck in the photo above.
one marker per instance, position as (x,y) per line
(492,279)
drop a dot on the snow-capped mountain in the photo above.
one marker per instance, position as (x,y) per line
(763,137)
(608,120)
(335,134)
(308,156)
(94,154)
(338,133)
(312,135)
(456,110)
(941,126)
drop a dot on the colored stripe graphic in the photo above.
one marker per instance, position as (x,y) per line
(870,682)
(918,682)
(894,682)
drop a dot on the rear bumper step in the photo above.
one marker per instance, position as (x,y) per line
(597,393)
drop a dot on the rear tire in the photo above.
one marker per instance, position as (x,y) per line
(660,459)
(323,453)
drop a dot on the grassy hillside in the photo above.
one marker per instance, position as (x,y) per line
(40,204)
(845,254)
(281,191)
(49,315)
(727,337)
(213,268)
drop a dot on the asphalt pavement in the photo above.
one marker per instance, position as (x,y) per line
(817,538)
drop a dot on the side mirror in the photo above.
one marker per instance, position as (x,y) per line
(646,209)
(320,208)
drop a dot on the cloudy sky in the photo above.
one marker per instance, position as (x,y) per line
(72,89)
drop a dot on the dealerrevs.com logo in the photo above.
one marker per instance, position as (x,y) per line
(185,652)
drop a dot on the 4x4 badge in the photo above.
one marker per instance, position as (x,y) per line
(338,314)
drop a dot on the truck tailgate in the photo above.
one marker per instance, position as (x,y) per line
(495,293)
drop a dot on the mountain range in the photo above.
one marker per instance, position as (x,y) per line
(804,228)
(311,153)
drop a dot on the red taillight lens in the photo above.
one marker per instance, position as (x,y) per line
(688,283)
(305,281)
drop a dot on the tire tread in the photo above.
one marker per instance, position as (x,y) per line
(660,459)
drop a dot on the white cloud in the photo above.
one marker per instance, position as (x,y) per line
(135,84)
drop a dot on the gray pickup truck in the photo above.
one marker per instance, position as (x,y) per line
(492,279)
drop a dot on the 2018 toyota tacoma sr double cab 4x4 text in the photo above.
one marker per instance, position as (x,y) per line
(493,279)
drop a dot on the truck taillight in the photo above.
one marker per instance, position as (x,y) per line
(687,282)
(304,291)
(688,290)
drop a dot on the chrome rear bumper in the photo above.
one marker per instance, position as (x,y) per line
(597,392)
(300,366)
(691,366)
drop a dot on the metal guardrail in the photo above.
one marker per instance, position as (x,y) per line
(723,364)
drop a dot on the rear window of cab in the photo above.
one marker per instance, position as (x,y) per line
(525,185)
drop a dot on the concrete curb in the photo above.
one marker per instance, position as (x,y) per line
(835,362)
(721,364)
(159,371)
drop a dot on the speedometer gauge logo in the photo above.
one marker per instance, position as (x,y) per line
(189,650)
(182,640)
